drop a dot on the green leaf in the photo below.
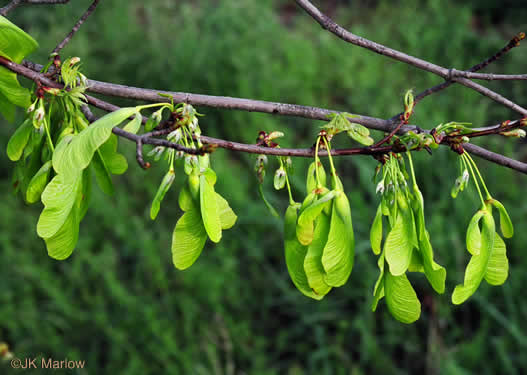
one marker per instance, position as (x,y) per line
(58,198)
(19,140)
(188,239)
(134,125)
(313,261)
(11,89)
(473,239)
(15,43)
(339,251)
(38,183)
(209,209)
(507,229)
(227,216)
(477,267)
(304,228)
(498,267)
(376,232)
(79,152)
(295,254)
(186,203)
(161,191)
(401,299)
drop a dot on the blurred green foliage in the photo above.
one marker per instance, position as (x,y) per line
(120,305)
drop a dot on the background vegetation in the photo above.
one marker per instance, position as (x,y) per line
(118,302)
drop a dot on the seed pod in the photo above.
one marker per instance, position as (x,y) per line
(477,267)
(295,254)
(339,251)
(209,209)
(473,237)
(507,229)
(435,273)
(376,232)
(193,185)
(188,239)
(498,267)
(305,226)
(312,262)
(401,240)
(401,299)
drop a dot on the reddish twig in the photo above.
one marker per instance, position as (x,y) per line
(391,134)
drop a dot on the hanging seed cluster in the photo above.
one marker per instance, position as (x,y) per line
(57,152)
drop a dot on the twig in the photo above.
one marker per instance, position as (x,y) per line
(391,134)
(77,26)
(330,25)
(496,158)
(514,42)
(16,3)
(139,154)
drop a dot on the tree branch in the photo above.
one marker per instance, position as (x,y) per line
(76,27)
(16,3)
(330,25)
(243,104)
(514,42)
